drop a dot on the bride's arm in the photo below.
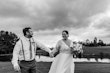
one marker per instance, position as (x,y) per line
(56,49)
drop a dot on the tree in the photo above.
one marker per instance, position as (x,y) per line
(95,41)
(7,41)
(101,43)
(87,42)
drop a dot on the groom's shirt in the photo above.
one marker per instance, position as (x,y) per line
(22,50)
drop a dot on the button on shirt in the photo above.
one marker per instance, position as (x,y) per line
(22,50)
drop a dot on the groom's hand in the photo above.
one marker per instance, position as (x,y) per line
(16,68)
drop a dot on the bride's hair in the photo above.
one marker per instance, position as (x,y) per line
(66,31)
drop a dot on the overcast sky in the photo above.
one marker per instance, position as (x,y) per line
(84,19)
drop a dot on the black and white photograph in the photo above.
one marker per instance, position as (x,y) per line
(54,36)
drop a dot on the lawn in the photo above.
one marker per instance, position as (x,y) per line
(96,50)
(80,67)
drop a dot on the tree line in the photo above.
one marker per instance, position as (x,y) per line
(95,43)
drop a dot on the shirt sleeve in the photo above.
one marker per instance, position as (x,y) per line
(43,47)
(16,53)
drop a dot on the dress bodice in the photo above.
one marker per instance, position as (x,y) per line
(63,47)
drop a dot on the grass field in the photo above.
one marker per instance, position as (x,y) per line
(96,50)
(80,67)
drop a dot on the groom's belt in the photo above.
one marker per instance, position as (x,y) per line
(27,61)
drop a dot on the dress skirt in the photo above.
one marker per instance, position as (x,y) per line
(63,63)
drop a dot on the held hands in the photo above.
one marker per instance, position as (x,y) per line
(51,54)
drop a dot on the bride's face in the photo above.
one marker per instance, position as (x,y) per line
(65,35)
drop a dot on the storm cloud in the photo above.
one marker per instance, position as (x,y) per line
(50,17)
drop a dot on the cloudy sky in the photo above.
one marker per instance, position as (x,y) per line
(84,19)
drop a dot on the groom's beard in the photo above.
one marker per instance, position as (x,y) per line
(30,36)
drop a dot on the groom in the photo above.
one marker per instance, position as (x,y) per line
(24,52)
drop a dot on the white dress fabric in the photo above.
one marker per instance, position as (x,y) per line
(63,62)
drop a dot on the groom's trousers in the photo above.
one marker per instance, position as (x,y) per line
(28,66)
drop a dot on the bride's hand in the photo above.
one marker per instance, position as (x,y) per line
(72,50)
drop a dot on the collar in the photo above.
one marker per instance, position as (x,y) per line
(27,39)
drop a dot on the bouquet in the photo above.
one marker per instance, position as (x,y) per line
(77,48)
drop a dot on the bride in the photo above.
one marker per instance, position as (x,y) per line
(63,63)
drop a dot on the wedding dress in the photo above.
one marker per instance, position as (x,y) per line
(63,62)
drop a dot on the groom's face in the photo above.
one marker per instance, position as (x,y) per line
(29,33)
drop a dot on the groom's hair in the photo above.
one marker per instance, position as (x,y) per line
(66,31)
(26,29)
